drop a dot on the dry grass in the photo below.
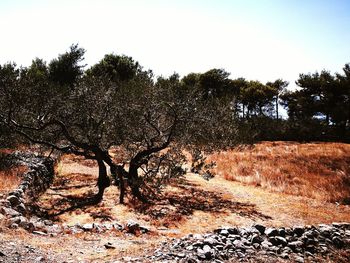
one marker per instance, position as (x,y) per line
(316,170)
(10,178)
(193,205)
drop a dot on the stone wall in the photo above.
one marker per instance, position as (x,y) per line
(237,244)
(16,205)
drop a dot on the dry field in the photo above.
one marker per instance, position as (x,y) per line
(10,176)
(9,179)
(316,170)
(276,184)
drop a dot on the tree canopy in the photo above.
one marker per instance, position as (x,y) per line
(137,126)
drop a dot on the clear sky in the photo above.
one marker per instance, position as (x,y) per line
(261,40)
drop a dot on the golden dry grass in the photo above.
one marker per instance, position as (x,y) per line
(10,178)
(316,170)
(191,206)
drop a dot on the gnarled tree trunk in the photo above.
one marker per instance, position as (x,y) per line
(103,181)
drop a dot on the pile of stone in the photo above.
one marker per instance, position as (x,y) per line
(296,243)
(46,227)
(16,205)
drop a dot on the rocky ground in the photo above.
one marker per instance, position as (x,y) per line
(12,251)
(322,243)
(297,244)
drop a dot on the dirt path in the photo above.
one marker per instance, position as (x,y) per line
(283,209)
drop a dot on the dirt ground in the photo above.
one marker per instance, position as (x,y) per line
(193,205)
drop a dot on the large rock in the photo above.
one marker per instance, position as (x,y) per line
(256,239)
(10,212)
(277,240)
(271,232)
(14,200)
(260,228)
(298,230)
(295,245)
(132,227)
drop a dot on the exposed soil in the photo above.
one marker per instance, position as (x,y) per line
(193,205)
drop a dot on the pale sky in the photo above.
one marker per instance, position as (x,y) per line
(260,40)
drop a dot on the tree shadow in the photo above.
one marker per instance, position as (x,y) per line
(171,206)
(177,205)
(63,205)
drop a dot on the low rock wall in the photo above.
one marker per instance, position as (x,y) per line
(16,205)
(299,244)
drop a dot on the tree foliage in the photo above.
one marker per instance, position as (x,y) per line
(119,115)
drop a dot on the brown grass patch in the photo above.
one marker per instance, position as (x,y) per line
(10,178)
(316,170)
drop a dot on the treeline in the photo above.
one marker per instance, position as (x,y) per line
(118,104)
(319,109)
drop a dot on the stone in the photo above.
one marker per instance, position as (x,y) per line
(338,242)
(210,241)
(4,203)
(224,232)
(40,233)
(48,222)
(310,249)
(239,244)
(282,232)
(296,244)
(274,249)
(260,228)
(21,208)
(109,245)
(14,200)
(299,259)
(277,240)
(233,231)
(256,239)
(14,226)
(198,236)
(219,247)
(271,232)
(256,246)
(40,259)
(339,225)
(284,255)
(10,212)
(117,226)
(206,248)
(197,244)
(310,234)
(24,223)
(54,229)
(14,220)
(266,244)
(234,237)
(190,248)
(181,255)
(144,229)
(228,246)
(87,227)
(132,227)
(298,230)
(201,256)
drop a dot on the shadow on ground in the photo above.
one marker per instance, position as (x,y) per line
(170,207)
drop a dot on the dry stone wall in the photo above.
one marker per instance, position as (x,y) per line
(298,244)
(16,205)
